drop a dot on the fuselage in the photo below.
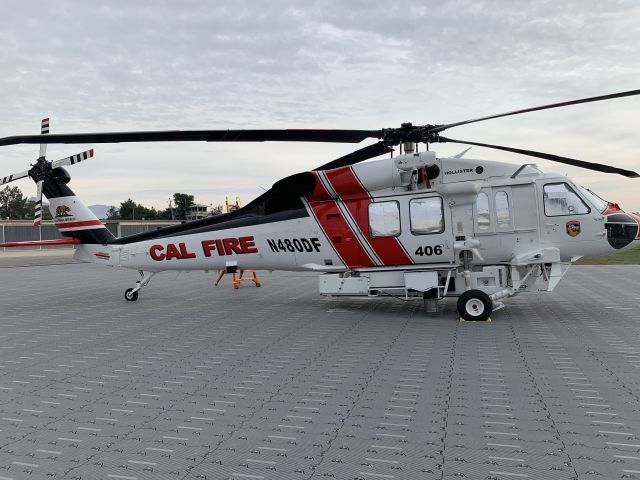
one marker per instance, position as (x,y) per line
(376,215)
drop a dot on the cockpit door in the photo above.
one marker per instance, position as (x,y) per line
(505,220)
(427,232)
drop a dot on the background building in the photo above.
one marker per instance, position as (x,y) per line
(197,211)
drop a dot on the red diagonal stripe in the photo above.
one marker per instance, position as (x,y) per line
(319,192)
(357,201)
(340,234)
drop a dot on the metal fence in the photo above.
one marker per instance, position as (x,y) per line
(123,228)
(23,230)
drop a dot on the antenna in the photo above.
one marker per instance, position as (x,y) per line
(173,217)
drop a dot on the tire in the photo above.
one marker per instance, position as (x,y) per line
(130,295)
(475,306)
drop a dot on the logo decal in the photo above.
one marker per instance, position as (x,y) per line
(63,211)
(461,170)
(573,228)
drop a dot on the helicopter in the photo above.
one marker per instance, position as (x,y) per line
(413,225)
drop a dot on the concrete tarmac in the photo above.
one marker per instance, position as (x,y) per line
(25,257)
(201,382)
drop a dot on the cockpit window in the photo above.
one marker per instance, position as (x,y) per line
(560,199)
(592,198)
(384,219)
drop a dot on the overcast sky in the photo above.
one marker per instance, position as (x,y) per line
(120,65)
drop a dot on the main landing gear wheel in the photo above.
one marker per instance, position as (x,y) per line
(475,305)
(130,295)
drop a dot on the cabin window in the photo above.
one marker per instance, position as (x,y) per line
(560,199)
(483,217)
(503,215)
(426,215)
(384,219)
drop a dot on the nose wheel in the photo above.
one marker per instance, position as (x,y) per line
(474,306)
(131,294)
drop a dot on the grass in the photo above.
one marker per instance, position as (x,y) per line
(626,257)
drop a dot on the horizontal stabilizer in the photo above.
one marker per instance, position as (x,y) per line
(38,243)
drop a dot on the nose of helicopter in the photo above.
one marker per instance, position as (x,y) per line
(623,229)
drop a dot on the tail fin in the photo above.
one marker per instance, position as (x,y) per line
(70,216)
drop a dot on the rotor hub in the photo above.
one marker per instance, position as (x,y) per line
(410,133)
(40,170)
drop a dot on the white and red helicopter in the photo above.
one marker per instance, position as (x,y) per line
(414,224)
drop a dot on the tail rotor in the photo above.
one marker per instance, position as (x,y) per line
(43,169)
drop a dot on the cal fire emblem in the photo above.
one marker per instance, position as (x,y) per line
(573,228)
(63,211)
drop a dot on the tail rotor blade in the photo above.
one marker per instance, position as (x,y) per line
(13,177)
(37,221)
(73,159)
(44,130)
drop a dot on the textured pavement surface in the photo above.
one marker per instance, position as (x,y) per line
(33,257)
(198,382)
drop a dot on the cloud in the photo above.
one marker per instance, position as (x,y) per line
(118,65)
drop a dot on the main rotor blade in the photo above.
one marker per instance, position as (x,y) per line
(13,177)
(598,167)
(361,155)
(73,159)
(440,128)
(312,135)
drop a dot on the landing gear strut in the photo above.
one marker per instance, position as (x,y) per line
(131,294)
(430,299)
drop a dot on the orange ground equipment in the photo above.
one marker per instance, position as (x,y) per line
(231,207)
(239,278)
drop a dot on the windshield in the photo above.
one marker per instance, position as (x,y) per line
(593,199)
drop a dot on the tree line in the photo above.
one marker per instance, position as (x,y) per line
(15,206)
(177,210)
